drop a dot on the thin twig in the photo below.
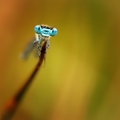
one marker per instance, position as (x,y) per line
(12,105)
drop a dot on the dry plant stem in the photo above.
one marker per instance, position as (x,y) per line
(12,105)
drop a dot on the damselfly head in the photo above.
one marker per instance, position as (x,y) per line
(45,30)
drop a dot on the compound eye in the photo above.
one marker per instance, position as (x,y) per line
(54,32)
(37,29)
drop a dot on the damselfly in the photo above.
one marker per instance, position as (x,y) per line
(42,34)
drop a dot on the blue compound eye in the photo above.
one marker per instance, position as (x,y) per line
(54,32)
(37,29)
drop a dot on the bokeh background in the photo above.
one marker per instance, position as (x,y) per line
(81,77)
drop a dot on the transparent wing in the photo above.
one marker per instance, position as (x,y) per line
(28,49)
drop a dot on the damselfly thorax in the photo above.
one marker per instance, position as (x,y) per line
(40,37)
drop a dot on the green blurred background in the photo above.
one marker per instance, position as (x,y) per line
(81,77)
